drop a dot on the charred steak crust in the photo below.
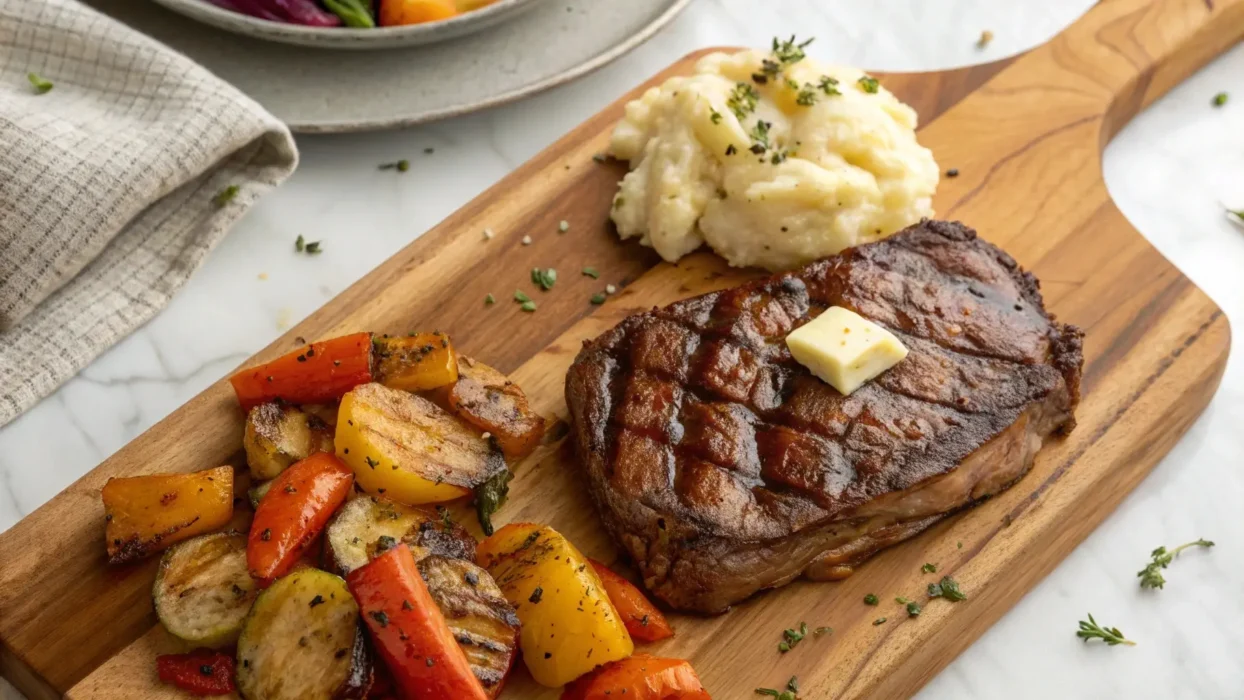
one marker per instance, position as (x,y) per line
(723,467)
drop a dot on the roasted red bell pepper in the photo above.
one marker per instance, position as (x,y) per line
(641,617)
(640,677)
(293,513)
(201,672)
(317,373)
(409,631)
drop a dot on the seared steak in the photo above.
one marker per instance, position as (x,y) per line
(723,467)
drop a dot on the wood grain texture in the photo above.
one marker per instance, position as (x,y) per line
(1027,144)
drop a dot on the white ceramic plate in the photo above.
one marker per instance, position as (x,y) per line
(344,37)
(325,91)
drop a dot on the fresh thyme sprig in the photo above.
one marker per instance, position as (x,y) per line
(1151,575)
(1109,635)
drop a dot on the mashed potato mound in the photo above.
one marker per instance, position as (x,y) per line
(772,158)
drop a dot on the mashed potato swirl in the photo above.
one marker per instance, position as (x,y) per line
(772,158)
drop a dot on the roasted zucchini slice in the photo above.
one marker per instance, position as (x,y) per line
(303,641)
(278,434)
(202,590)
(483,622)
(351,537)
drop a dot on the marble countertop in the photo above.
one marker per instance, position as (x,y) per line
(1170,172)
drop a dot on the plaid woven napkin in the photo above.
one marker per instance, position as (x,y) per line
(111,184)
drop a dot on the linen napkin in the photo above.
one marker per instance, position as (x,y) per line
(114,184)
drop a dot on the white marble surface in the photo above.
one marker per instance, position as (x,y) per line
(1169,171)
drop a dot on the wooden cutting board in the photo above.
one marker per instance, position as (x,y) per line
(1026,138)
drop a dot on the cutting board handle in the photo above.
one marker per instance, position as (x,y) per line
(1128,53)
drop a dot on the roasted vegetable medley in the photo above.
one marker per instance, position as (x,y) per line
(353,13)
(350,579)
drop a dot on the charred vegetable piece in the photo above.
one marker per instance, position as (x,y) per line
(203,591)
(302,641)
(415,363)
(569,625)
(487,399)
(482,621)
(316,373)
(643,620)
(353,536)
(641,677)
(200,672)
(146,514)
(278,434)
(408,449)
(409,631)
(294,512)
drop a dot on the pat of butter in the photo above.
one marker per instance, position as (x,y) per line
(845,349)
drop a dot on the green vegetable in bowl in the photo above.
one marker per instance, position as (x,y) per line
(354,13)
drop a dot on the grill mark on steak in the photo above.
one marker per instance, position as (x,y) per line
(723,467)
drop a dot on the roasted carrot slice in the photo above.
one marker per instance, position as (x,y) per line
(293,512)
(409,631)
(316,373)
(146,514)
(640,677)
(642,619)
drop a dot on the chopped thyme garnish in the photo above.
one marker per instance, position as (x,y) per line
(913,609)
(1109,635)
(1220,99)
(528,306)
(1151,575)
(959,545)
(805,98)
(829,86)
(591,272)
(520,297)
(792,637)
(401,166)
(742,100)
(41,85)
(879,621)
(300,244)
(313,248)
(788,52)
(490,299)
(760,135)
(731,150)
(868,84)
(953,172)
(598,298)
(714,116)
(870,599)
(901,600)
(545,279)
(947,588)
(226,195)
(822,630)
(929,568)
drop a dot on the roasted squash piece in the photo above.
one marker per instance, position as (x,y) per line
(203,591)
(353,536)
(415,362)
(569,625)
(146,514)
(410,450)
(487,399)
(278,434)
(482,621)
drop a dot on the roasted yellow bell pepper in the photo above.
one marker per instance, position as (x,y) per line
(569,625)
(410,450)
(146,514)
(416,362)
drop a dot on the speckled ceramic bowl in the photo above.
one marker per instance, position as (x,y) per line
(345,37)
